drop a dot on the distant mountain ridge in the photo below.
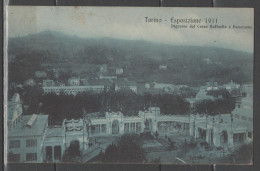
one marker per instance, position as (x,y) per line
(57,47)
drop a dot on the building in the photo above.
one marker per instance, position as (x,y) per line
(163,86)
(107,83)
(119,71)
(109,77)
(74,81)
(203,94)
(40,74)
(103,68)
(123,84)
(73,90)
(115,123)
(243,116)
(163,67)
(231,86)
(30,82)
(25,134)
(15,110)
(54,144)
(212,86)
(59,138)
(48,83)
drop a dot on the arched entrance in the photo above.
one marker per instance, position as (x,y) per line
(115,127)
(148,124)
(224,137)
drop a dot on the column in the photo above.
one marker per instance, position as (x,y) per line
(142,126)
(196,132)
(52,150)
(135,127)
(230,139)
(207,135)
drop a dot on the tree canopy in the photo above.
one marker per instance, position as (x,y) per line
(222,103)
(128,149)
(62,106)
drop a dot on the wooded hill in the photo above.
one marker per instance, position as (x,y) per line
(191,65)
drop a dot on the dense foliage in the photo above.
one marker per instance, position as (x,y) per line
(72,153)
(62,106)
(222,103)
(127,150)
(242,155)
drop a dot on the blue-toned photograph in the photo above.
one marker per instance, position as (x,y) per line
(128,85)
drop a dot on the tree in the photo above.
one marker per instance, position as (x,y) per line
(128,150)
(72,153)
(214,107)
(31,97)
(242,155)
(156,134)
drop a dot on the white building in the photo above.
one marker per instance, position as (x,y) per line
(125,85)
(30,82)
(25,134)
(103,68)
(119,71)
(151,120)
(54,144)
(48,83)
(74,81)
(162,67)
(212,86)
(40,74)
(231,86)
(73,90)
(202,94)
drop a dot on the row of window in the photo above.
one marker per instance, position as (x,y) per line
(17,143)
(244,118)
(132,127)
(16,157)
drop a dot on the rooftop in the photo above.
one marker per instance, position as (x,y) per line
(36,129)
(104,82)
(122,82)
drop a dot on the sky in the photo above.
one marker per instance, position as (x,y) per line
(129,23)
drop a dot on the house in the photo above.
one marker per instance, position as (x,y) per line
(203,94)
(107,83)
(74,81)
(25,133)
(119,71)
(231,86)
(103,68)
(73,90)
(163,67)
(30,82)
(123,84)
(40,74)
(48,83)
(212,86)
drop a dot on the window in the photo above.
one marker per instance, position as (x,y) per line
(103,128)
(13,157)
(249,135)
(132,126)
(14,144)
(126,127)
(31,156)
(31,142)
(243,118)
(138,127)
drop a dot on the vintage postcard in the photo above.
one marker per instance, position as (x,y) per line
(129,85)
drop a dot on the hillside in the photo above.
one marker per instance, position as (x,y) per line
(140,59)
